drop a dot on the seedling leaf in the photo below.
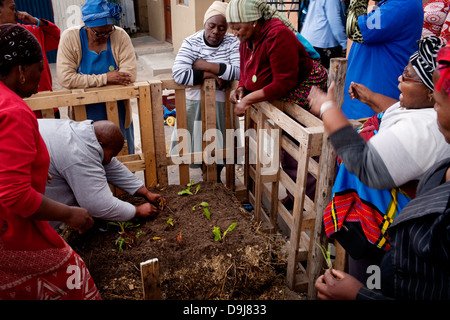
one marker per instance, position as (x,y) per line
(326,254)
(207,213)
(197,189)
(204,204)
(217,233)
(170,222)
(229,229)
(185,191)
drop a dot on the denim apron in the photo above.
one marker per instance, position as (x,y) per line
(99,63)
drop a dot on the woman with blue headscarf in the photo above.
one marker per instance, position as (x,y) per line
(96,54)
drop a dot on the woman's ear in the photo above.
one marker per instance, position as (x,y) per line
(22,78)
(431,96)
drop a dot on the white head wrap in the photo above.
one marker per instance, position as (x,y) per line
(218,8)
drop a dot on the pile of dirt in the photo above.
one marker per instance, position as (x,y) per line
(246,264)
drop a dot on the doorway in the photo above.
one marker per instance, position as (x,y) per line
(168,20)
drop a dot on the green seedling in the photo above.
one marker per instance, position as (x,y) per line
(217,233)
(326,254)
(204,205)
(221,237)
(188,189)
(170,222)
(125,239)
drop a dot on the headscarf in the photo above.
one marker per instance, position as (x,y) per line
(424,60)
(252,10)
(443,59)
(218,8)
(17,47)
(98,13)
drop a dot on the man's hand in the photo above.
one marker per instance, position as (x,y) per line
(157,200)
(146,210)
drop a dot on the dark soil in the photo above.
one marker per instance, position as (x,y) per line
(247,264)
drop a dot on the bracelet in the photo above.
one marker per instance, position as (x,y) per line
(39,21)
(325,106)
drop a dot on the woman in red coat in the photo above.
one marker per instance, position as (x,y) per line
(35,262)
(274,65)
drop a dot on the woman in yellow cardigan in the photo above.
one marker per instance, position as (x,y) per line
(97,54)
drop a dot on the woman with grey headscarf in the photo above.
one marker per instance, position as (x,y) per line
(378,167)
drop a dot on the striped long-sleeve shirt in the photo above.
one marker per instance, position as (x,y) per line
(193,48)
(417,267)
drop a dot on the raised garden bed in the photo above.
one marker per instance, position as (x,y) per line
(246,264)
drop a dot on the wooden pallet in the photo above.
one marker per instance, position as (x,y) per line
(261,177)
(308,142)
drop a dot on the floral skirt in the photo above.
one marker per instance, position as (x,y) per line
(318,78)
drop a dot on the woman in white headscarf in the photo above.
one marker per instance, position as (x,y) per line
(211,53)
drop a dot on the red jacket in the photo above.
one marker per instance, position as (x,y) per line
(278,63)
(23,176)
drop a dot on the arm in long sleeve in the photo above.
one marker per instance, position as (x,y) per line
(52,34)
(361,159)
(120,176)
(182,70)
(356,9)
(333,11)
(284,62)
(231,70)
(124,54)
(87,180)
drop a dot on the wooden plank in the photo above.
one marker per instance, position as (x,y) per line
(82,97)
(209,91)
(327,164)
(180,102)
(147,135)
(258,165)
(151,283)
(112,112)
(48,114)
(304,117)
(160,136)
(299,197)
(230,141)
(79,113)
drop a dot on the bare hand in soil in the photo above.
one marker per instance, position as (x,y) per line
(146,210)
(337,285)
(80,219)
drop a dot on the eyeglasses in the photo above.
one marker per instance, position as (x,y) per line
(104,34)
(405,77)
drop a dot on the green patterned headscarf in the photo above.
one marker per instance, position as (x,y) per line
(252,10)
